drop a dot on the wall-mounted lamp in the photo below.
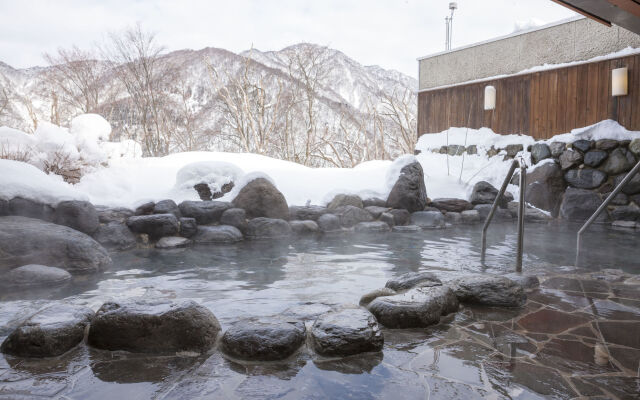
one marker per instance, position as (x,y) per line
(489,98)
(619,82)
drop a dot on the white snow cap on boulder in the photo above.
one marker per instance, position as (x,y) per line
(213,173)
(393,173)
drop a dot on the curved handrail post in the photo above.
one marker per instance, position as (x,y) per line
(603,206)
(521,215)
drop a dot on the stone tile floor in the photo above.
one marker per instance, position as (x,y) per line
(578,336)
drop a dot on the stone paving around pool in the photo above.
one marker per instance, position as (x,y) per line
(577,336)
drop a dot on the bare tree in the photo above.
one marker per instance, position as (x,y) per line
(136,60)
(4,101)
(400,108)
(77,78)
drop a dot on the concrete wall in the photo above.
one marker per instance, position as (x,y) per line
(576,40)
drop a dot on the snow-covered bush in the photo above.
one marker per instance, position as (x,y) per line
(214,174)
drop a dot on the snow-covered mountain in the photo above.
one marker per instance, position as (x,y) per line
(349,84)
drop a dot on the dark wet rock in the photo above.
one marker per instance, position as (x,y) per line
(484,193)
(539,152)
(406,228)
(32,241)
(374,294)
(154,326)
(409,191)
(427,219)
(167,207)
(489,290)
(224,189)
(172,242)
(586,178)
(116,236)
(606,144)
(156,225)
(400,216)
(632,187)
(188,227)
(570,158)
(204,212)
(545,187)
(413,279)
(582,145)
(594,158)
(329,223)
(79,215)
(526,281)
(501,214)
(453,218)
(204,191)
(35,275)
(374,202)
(372,227)
(340,200)
(50,332)
(263,340)
(306,312)
(260,198)
(351,215)
(145,208)
(416,308)
(307,227)
(218,234)
(513,150)
(235,217)
(306,212)
(388,219)
(376,211)
(453,205)
(620,160)
(620,199)
(268,228)
(557,148)
(579,204)
(470,217)
(29,208)
(534,215)
(346,332)
(116,214)
(626,213)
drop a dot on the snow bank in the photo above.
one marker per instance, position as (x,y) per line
(19,179)
(607,129)
(483,138)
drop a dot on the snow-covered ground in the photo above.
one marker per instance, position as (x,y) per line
(127,179)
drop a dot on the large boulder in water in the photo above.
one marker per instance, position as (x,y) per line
(268,228)
(346,332)
(484,193)
(218,234)
(489,291)
(32,241)
(545,186)
(340,200)
(409,191)
(351,215)
(303,213)
(154,326)
(428,219)
(50,332)
(260,198)
(115,235)
(79,215)
(415,308)
(579,204)
(204,212)
(35,275)
(28,208)
(263,340)
(156,225)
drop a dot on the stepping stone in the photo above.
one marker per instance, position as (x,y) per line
(346,332)
(154,326)
(50,332)
(416,308)
(263,340)
(489,291)
(550,321)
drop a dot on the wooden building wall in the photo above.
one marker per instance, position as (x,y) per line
(540,104)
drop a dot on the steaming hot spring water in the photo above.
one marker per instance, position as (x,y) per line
(576,335)
(478,352)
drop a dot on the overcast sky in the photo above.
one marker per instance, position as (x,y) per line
(389,33)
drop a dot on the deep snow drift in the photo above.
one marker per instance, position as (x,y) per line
(121,177)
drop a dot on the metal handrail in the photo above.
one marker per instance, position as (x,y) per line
(604,205)
(523,182)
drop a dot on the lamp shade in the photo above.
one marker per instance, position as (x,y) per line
(619,82)
(489,98)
